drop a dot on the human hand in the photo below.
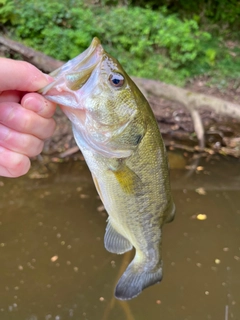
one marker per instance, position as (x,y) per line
(25,117)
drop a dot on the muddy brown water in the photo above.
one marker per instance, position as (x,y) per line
(54,266)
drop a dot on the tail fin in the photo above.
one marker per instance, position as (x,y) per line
(135,279)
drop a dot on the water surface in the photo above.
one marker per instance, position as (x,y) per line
(54,266)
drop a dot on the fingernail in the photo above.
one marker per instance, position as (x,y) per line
(33,104)
(48,77)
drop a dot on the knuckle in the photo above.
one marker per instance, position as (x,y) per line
(26,144)
(50,128)
(38,147)
(5,134)
(32,145)
(26,122)
(9,113)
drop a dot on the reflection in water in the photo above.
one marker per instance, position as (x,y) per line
(124,304)
(54,266)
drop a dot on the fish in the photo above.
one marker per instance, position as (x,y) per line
(118,135)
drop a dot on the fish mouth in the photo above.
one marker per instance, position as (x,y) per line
(72,76)
(69,91)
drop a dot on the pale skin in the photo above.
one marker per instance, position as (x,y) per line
(25,116)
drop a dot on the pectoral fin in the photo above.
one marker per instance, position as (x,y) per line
(114,242)
(128,179)
(97,186)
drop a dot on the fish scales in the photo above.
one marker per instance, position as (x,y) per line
(118,135)
(127,214)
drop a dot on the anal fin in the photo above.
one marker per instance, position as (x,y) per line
(114,242)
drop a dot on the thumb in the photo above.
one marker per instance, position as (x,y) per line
(21,75)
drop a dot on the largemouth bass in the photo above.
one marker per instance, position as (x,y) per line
(118,135)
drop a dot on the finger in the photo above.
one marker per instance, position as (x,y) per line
(20,142)
(13,164)
(38,104)
(10,95)
(14,116)
(21,75)
(4,172)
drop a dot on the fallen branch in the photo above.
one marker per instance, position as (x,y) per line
(39,59)
(192,101)
(189,99)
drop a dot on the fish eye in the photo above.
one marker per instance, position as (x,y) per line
(116,80)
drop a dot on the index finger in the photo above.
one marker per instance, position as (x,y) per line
(21,75)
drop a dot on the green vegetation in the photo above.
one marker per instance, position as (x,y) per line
(217,11)
(149,40)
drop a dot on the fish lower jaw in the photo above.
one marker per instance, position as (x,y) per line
(75,115)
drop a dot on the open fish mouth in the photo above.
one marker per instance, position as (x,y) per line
(72,76)
(74,86)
